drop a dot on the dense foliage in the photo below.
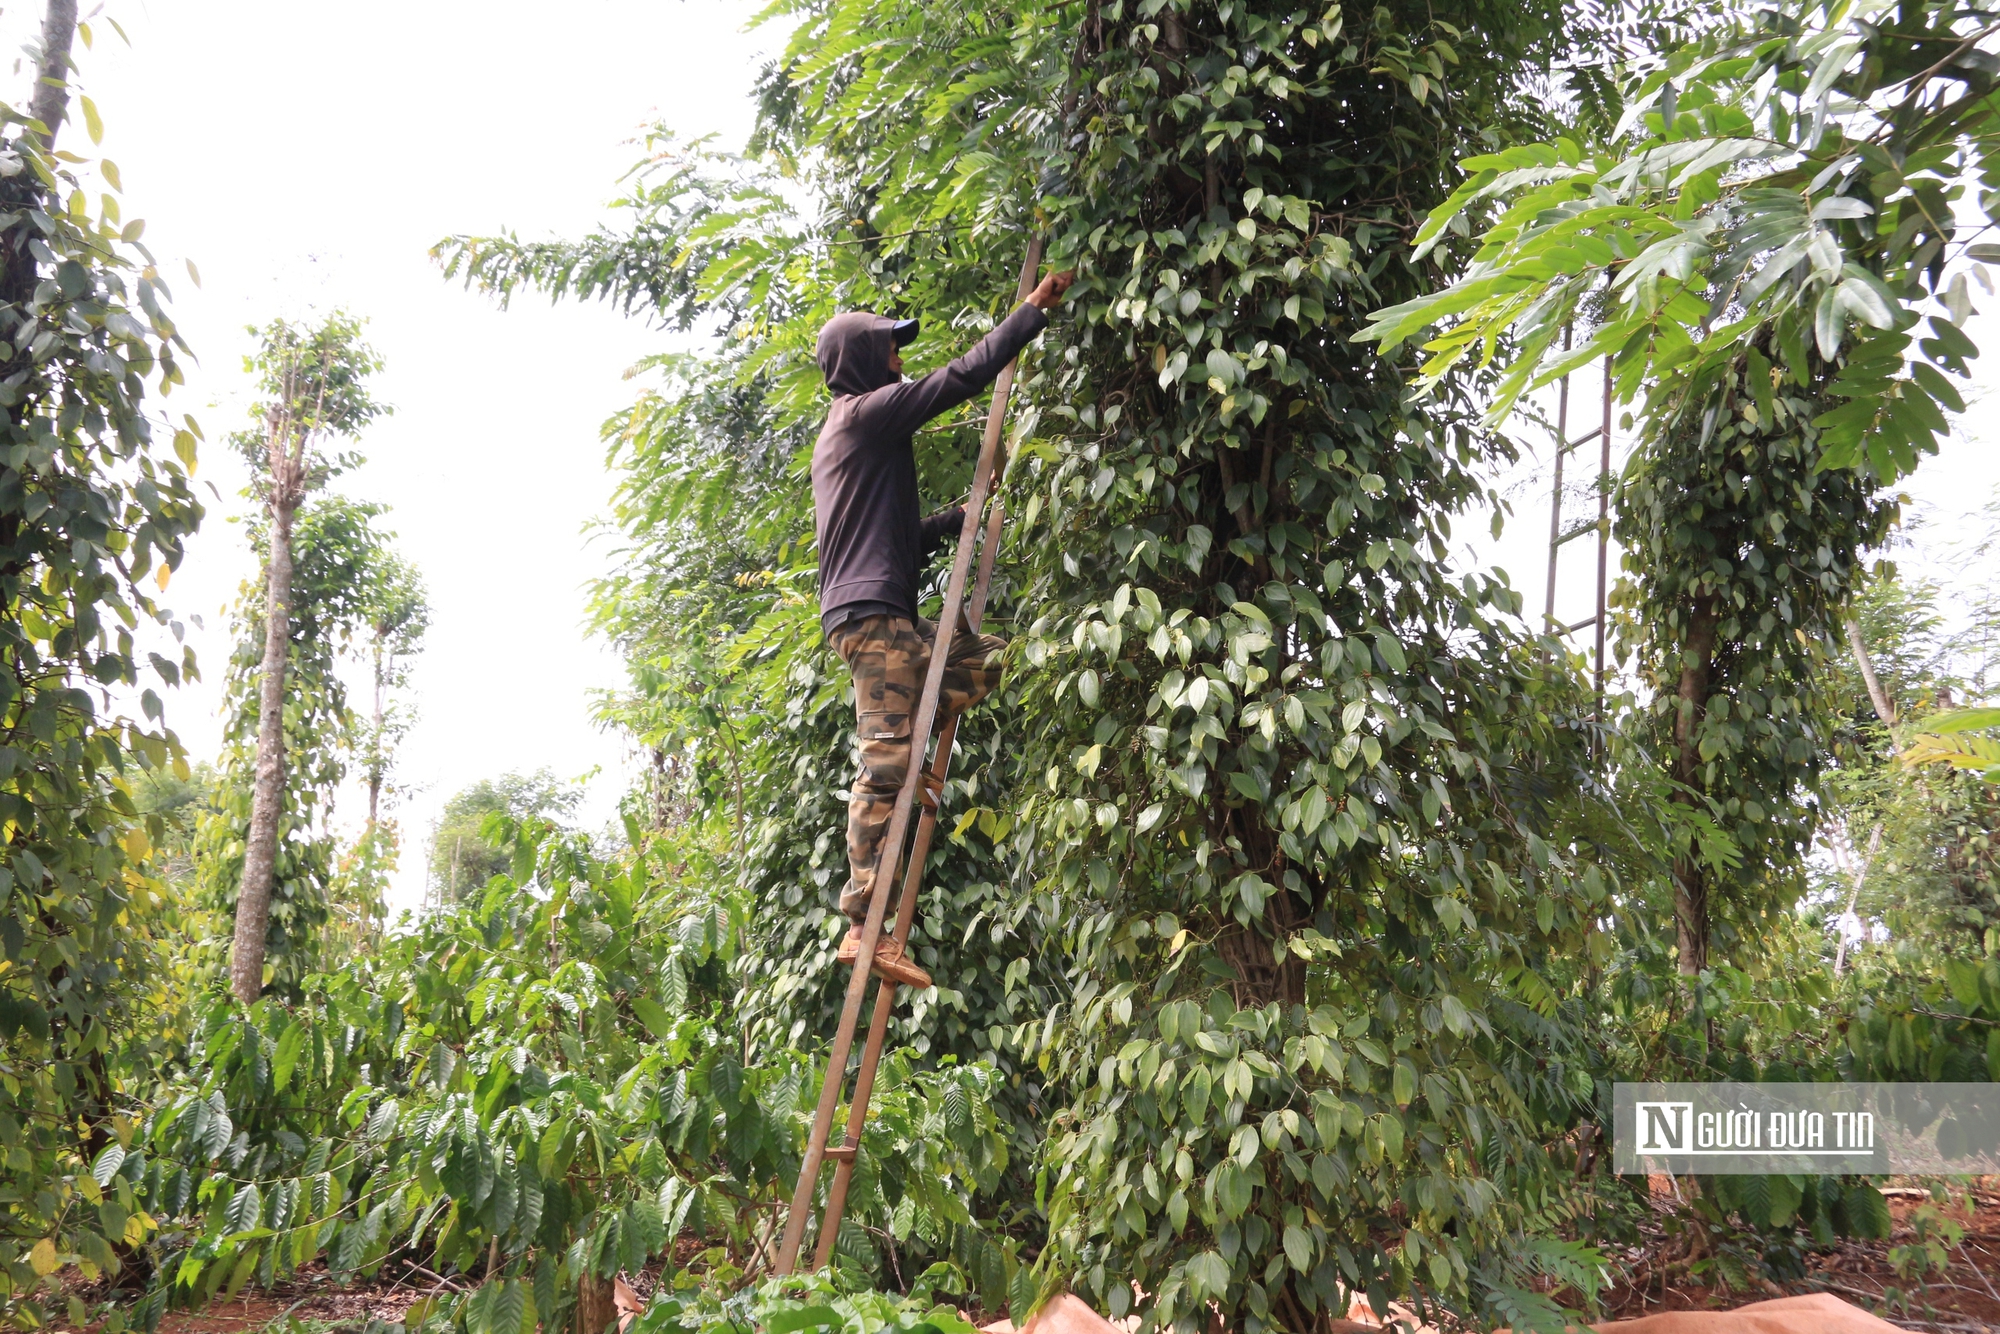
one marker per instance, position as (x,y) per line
(1260,732)
(95,505)
(534,1090)
(1753,249)
(464,854)
(1298,903)
(1250,691)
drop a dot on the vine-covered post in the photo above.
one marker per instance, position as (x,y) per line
(95,510)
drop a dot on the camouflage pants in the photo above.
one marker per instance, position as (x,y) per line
(889,658)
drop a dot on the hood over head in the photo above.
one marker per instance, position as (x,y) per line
(853,351)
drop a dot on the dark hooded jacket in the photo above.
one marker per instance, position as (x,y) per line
(872,536)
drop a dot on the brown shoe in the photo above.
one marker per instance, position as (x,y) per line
(890,961)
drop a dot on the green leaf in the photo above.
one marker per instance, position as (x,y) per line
(290,1043)
(1867,1212)
(1194,1095)
(552,1153)
(510,1313)
(1962,976)
(1391,1127)
(109,1159)
(1962,720)
(1937,386)
(382,1122)
(1208,1276)
(654,1017)
(802,1317)
(1298,1248)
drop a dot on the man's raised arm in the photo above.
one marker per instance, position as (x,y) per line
(908,406)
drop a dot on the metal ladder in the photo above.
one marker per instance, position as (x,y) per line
(1560,537)
(985,478)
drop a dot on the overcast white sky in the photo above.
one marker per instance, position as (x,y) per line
(306,157)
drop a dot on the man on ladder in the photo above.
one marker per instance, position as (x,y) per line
(872,546)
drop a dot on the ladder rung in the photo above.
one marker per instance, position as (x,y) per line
(1579,531)
(843,1153)
(1586,621)
(1581,440)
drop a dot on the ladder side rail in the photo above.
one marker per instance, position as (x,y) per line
(1603,532)
(1556,503)
(906,916)
(899,824)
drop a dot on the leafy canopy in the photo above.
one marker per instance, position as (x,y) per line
(1802,182)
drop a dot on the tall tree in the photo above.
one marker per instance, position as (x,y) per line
(398,616)
(315,384)
(338,559)
(1934,878)
(1773,248)
(468,848)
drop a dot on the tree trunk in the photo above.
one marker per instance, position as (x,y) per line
(1691,913)
(1265,969)
(20,270)
(662,817)
(50,103)
(595,1308)
(1260,978)
(1857,870)
(253,898)
(375,758)
(1691,886)
(1876,695)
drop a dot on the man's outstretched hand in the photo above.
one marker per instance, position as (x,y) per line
(1049,294)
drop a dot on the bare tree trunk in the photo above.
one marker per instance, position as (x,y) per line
(50,103)
(1691,917)
(595,1307)
(260,850)
(1876,695)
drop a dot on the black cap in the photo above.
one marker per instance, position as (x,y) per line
(904,332)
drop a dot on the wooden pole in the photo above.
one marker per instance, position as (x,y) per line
(1603,534)
(1549,622)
